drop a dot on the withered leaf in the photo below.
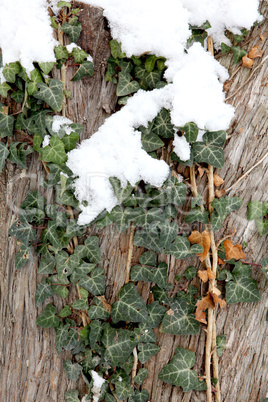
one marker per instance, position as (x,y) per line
(215,293)
(220,193)
(201,171)
(217,180)
(247,62)
(201,306)
(220,261)
(254,52)
(233,251)
(206,274)
(203,239)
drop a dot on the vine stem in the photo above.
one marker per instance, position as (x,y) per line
(63,67)
(135,365)
(130,251)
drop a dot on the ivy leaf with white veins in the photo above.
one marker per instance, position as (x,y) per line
(95,283)
(46,67)
(43,291)
(86,69)
(147,350)
(4,88)
(151,142)
(89,250)
(178,371)
(257,209)
(73,371)
(52,94)
(73,31)
(145,217)
(3,155)
(238,53)
(156,313)
(210,149)
(190,131)
(162,124)
(121,193)
(181,248)
(241,288)
(47,318)
(61,337)
(10,70)
(125,86)
(98,311)
(72,396)
(22,231)
(119,344)
(140,396)
(79,55)
(140,377)
(196,214)
(130,306)
(6,125)
(172,192)
(61,52)
(179,320)
(150,274)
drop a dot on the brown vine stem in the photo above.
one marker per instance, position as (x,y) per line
(211,328)
(130,251)
(135,365)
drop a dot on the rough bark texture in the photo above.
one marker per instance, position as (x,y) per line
(31,370)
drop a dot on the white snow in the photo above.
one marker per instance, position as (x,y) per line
(62,122)
(97,379)
(46,141)
(25,32)
(71,47)
(182,148)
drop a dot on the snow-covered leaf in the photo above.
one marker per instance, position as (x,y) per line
(121,192)
(178,371)
(130,306)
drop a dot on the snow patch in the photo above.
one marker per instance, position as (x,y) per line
(61,122)
(182,148)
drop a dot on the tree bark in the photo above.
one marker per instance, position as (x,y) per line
(31,370)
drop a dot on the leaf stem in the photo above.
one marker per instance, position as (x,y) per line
(135,365)
(130,251)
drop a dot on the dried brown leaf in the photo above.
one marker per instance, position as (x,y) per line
(201,306)
(247,62)
(215,293)
(201,171)
(106,305)
(220,261)
(233,251)
(255,52)
(219,193)
(203,239)
(206,275)
(217,180)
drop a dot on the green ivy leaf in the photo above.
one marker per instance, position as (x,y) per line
(241,287)
(61,52)
(95,283)
(72,339)
(140,396)
(225,48)
(190,273)
(156,313)
(257,209)
(179,320)
(4,152)
(89,250)
(80,305)
(79,55)
(43,291)
(123,390)
(238,53)
(210,150)
(73,371)
(86,69)
(262,226)
(64,4)
(98,311)
(73,31)
(47,318)
(196,215)
(72,396)
(46,67)
(148,258)
(181,248)
(220,342)
(65,312)
(4,88)
(125,86)
(55,151)
(190,131)
(121,193)
(52,94)
(130,306)
(119,344)
(147,350)
(178,371)
(61,336)
(22,231)
(162,124)
(10,70)
(144,333)
(116,50)
(34,200)
(6,125)
(140,377)
(150,274)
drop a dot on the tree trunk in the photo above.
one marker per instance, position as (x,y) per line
(31,369)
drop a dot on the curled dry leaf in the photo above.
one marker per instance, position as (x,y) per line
(206,275)
(203,239)
(201,171)
(255,52)
(201,306)
(233,251)
(247,62)
(217,180)
(220,193)
(220,261)
(215,293)
(227,85)
(106,305)
(261,37)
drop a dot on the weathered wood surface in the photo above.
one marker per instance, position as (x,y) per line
(31,370)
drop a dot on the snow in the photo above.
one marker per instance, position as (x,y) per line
(25,32)
(194,91)
(71,47)
(46,141)
(61,122)
(182,148)
(97,379)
